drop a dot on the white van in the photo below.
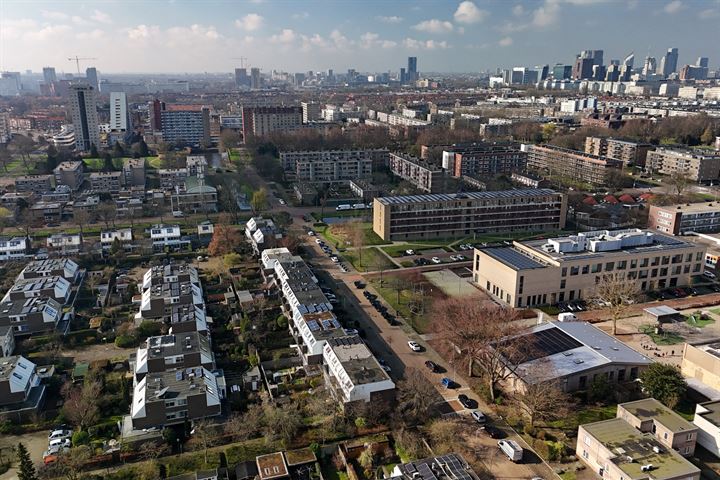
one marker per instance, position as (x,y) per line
(510,448)
(567,317)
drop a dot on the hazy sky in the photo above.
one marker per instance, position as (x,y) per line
(368,35)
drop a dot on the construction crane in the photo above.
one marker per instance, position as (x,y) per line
(242,61)
(77,59)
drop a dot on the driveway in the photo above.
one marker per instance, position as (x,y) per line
(35,442)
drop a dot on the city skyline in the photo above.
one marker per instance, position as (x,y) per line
(181,36)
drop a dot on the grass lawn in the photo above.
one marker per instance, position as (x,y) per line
(399,250)
(331,212)
(339,235)
(716,311)
(154,162)
(585,414)
(372,260)
(419,323)
(665,338)
(696,321)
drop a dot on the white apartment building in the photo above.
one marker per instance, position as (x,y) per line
(119,113)
(65,242)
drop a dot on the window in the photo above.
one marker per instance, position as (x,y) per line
(633,263)
(654,272)
(574,270)
(644,262)
(622,265)
(597,268)
(564,272)
(585,269)
(655,261)
(609,266)
(696,268)
(562,283)
(665,259)
(643,274)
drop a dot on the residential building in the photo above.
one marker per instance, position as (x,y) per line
(196,165)
(365,190)
(685,218)
(14,248)
(186,124)
(7,340)
(206,228)
(155,109)
(37,184)
(529,180)
(53,267)
(173,397)
(186,318)
(83,109)
(174,272)
(630,153)
(573,354)
(65,243)
(707,421)
(651,416)
(91,77)
(310,111)
(30,315)
(55,287)
(615,450)
(484,159)
(134,172)
(353,374)
(110,182)
(272,467)
(255,79)
(698,165)
(156,303)
(423,175)
(46,212)
(172,352)
(458,215)
(545,272)
(21,392)
(330,166)
(195,197)
(451,466)
(170,178)
(262,233)
(261,121)
(312,331)
(561,163)
(119,112)
(70,173)
(700,366)
(165,237)
(122,235)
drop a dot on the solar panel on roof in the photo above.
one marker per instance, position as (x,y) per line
(544,343)
(313,325)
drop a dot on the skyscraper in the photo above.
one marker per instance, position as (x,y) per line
(92,77)
(561,72)
(403,76)
(650,66)
(668,64)
(49,75)
(119,114)
(629,60)
(412,72)
(241,78)
(583,68)
(703,62)
(255,82)
(84,116)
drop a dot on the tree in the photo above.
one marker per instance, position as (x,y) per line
(70,463)
(81,217)
(107,212)
(367,460)
(708,136)
(52,158)
(357,237)
(24,146)
(664,383)
(548,131)
(118,150)
(26,469)
(444,436)
(140,149)
(679,181)
(615,292)
(80,406)
(205,434)
(479,331)
(282,422)
(416,396)
(224,240)
(94,151)
(544,401)
(229,139)
(259,200)
(108,165)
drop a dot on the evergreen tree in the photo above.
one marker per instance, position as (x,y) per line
(94,151)
(52,158)
(118,150)
(108,162)
(26,469)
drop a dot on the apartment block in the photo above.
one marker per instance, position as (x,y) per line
(30,315)
(122,235)
(261,121)
(701,367)
(707,421)
(186,318)
(684,218)
(423,175)
(310,111)
(171,352)
(329,166)
(7,341)
(37,184)
(70,173)
(65,243)
(630,153)
(698,165)
(457,215)
(167,237)
(172,177)
(196,165)
(176,272)
(615,450)
(545,272)
(484,159)
(195,197)
(669,428)
(557,162)
(134,172)
(111,182)
(186,124)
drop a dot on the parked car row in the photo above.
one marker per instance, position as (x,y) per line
(59,440)
(458,258)
(573,306)
(381,309)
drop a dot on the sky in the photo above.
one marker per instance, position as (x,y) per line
(175,36)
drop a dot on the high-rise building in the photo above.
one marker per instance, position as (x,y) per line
(311,111)
(703,62)
(155,109)
(629,60)
(255,80)
(241,78)
(403,76)
(49,75)
(668,64)
(119,113)
(650,66)
(562,72)
(583,68)
(92,77)
(83,106)
(260,121)
(412,72)
(186,124)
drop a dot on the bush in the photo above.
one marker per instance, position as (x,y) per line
(149,329)
(530,430)
(125,341)
(282,322)
(80,438)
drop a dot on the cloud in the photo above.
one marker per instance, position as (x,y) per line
(468,12)
(505,42)
(673,7)
(285,37)
(510,27)
(434,26)
(709,13)
(547,14)
(370,40)
(143,31)
(52,15)
(518,10)
(48,32)
(96,34)
(250,22)
(101,17)
(340,41)
(414,44)
(389,19)
(301,16)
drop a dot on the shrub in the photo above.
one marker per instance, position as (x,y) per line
(125,341)
(80,438)
(530,430)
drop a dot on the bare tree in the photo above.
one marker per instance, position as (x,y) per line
(444,435)
(544,400)
(205,434)
(282,422)
(416,396)
(679,181)
(480,331)
(71,462)
(81,218)
(107,211)
(24,146)
(80,406)
(615,292)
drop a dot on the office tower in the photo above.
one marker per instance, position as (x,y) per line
(703,62)
(650,66)
(583,68)
(84,116)
(119,114)
(49,75)
(92,77)
(612,73)
(629,60)
(561,72)
(595,55)
(598,72)
(542,72)
(330,74)
(155,109)
(403,76)
(255,81)
(412,72)
(241,78)
(668,63)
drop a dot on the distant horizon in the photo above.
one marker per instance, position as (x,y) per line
(182,36)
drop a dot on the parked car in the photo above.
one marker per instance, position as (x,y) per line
(60,443)
(281,201)
(319,241)
(708,274)
(59,433)
(448,383)
(335,259)
(359,284)
(436,260)
(311,233)
(478,416)
(492,432)
(510,448)
(432,366)
(350,331)
(466,401)
(460,257)
(715,287)
(414,346)
(410,252)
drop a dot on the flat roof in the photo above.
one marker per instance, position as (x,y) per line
(703,207)
(651,409)
(358,362)
(271,465)
(444,467)
(660,311)
(633,449)
(712,414)
(446,197)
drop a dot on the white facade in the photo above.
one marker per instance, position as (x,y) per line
(13,248)
(165,234)
(67,242)
(107,238)
(708,426)
(119,115)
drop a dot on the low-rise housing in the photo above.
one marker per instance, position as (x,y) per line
(262,233)
(7,340)
(30,315)
(529,180)
(669,428)
(707,421)
(165,237)
(172,177)
(21,393)
(171,352)
(196,165)
(37,184)
(54,287)
(52,267)
(451,466)
(186,318)
(13,248)
(122,235)
(46,212)
(65,243)
(195,197)
(111,182)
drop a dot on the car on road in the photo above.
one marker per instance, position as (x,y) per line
(466,401)
(343,268)
(335,259)
(436,260)
(369,296)
(448,383)
(350,331)
(453,258)
(478,416)
(409,252)
(432,366)
(708,274)
(460,257)
(414,346)
(359,284)
(281,201)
